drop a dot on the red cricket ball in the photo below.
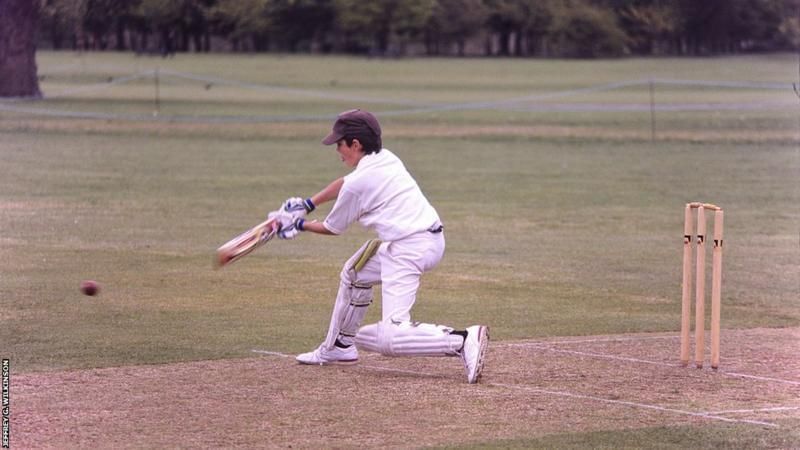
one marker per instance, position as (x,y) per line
(89,287)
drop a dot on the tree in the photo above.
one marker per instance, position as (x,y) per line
(301,24)
(538,26)
(789,31)
(577,28)
(18,25)
(521,26)
(506,18)
(702,25)
(649,27)
(101,18)
(59,20)
(454,22)
(586,31)
(193,25)
(242,21)
(371,26)
(175,21)
(757,23)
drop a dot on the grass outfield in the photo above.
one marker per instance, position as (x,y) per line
(559,222)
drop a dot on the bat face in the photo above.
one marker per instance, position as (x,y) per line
(246,242)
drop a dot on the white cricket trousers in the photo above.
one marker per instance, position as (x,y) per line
(397,267)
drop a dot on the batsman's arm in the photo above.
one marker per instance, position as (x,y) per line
(329,193)
(316,227)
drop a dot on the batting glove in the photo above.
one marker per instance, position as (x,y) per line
(289,232)
(284,218)
(298,207)
(288,226)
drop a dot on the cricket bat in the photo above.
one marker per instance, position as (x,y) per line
(243,244)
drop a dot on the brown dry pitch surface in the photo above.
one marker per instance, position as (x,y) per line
(530,388)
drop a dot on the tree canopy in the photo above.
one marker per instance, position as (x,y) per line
(562,28)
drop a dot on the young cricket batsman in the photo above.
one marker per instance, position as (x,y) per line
(381,195)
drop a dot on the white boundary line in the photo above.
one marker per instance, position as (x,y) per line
(704,415)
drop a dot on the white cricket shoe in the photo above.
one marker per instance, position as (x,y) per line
(474,351)
(323,356)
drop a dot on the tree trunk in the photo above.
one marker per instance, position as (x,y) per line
(121,36)
(18,22)
(505,40)
(382,41)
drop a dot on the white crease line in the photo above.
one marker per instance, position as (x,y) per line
(746,411)
(605,356)
(403,371)
(385,369)
(265,352)
(777,380)
(584,341)
(709,416)
(634,405)
(543,346)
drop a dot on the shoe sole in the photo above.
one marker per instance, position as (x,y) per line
(344,362)
(483,340)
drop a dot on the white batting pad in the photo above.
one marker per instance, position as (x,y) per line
(408,339)
(348,312)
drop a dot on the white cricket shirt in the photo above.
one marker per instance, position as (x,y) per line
(380,194)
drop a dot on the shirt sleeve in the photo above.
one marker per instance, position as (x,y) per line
(345,211)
